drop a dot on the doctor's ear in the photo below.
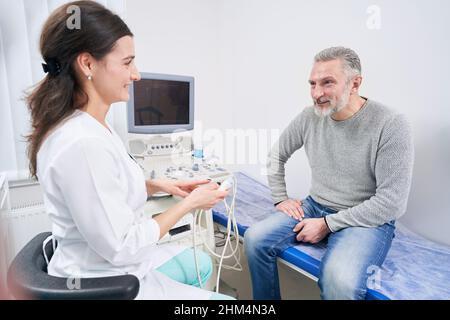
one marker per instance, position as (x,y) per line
(85,63)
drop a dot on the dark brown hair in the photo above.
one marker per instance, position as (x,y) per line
(59,94)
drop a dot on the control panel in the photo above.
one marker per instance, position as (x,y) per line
(150,146)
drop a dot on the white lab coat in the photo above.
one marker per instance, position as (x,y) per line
(94,193)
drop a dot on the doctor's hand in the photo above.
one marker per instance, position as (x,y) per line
(311,230)
(175,187)
(206,196)
(292,208)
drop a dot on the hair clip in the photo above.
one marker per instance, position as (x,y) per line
(52,67)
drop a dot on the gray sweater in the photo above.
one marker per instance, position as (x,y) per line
(361,167)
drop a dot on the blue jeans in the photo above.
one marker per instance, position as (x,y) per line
(353,254)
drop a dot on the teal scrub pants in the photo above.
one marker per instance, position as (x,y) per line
(181,268)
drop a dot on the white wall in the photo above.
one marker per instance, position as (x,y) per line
(251,60)
(182,37)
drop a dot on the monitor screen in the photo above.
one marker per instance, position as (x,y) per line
(161,104)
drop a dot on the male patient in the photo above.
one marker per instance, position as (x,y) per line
(361,158)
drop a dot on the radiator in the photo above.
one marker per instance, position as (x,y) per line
(26,216)
(4,208)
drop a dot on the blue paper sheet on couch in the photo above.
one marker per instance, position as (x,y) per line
(415,268)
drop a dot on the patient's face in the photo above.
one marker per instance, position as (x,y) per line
(116,71)
(330,88)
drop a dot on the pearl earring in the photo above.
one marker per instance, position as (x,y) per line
(89,77)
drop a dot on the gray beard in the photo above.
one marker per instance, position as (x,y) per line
(340,104)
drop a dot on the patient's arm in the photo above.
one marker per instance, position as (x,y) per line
(393,173)
(290,141)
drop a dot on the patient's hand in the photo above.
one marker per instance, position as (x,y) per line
(311,230)
(292,208)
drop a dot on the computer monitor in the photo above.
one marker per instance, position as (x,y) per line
(161,103)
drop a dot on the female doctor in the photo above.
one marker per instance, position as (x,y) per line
(93,190)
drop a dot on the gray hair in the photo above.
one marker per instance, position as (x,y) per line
(349,58)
